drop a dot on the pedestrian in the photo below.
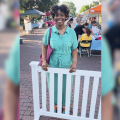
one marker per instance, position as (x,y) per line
(78,20)
(70,22)
(64,44)
(45,21)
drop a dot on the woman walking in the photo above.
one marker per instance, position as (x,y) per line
(64,44)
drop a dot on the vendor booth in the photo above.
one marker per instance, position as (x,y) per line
(28,25)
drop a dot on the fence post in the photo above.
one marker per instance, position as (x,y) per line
(35,84)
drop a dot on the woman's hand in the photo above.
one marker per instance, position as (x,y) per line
(73,67)
(45,65)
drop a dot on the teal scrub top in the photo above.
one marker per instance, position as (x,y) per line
(107,81)
(12,64)
(89,26)
(62,46)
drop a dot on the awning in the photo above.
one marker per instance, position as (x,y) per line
(32,12)
(95,10)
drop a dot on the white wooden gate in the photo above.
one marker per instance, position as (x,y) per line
(87,74)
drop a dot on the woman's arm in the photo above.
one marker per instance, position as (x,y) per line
(84,30)
(92,32)
(11,96)
(74,57)
(107,108)
(44,54)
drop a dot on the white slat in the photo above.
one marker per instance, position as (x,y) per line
(35,83)
(43,76)
(76,95)
(85,96)
(94,97)
(78,72)
(60,79)
(68,91)
(52,92)
(99,113)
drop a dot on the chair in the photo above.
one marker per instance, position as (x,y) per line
(85,42)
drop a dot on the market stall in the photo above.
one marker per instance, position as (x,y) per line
(29,26)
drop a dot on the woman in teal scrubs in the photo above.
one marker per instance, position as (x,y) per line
(64,44)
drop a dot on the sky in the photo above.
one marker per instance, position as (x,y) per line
(79,3)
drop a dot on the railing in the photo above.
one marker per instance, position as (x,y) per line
(87,74)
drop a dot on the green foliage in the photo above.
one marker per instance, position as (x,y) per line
(76,14)
(94,3)
(87,7)
(84,8)
(71,7)
(42,5)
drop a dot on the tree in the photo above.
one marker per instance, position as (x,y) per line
(42,5)
(76,14)
(84,8)
(94,3)
(71,7)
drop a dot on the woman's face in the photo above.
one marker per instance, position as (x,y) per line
(60,18)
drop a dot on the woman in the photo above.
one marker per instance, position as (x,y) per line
(86,36)
(70,22)
(64,44)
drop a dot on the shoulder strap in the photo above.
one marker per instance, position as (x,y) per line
(49,36)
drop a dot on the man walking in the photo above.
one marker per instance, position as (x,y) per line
(78,20)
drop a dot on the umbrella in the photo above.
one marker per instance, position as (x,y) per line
(32,12)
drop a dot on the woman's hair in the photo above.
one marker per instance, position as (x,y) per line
(71,19)
(63,8)
(88,32)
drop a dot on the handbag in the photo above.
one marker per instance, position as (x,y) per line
(49,50)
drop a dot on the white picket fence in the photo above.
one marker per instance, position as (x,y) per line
(87,74)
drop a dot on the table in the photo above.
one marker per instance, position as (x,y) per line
(34,25)
(95,45)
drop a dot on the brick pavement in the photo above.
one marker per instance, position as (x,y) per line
(30,51)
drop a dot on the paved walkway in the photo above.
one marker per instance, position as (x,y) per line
(30,50)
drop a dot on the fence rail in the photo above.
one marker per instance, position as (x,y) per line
(87,74)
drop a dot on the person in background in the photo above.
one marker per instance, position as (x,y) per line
(35,21)
(81,29)
(70,22)
(45,21)
(89,22)
(78,20)
(86,36)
